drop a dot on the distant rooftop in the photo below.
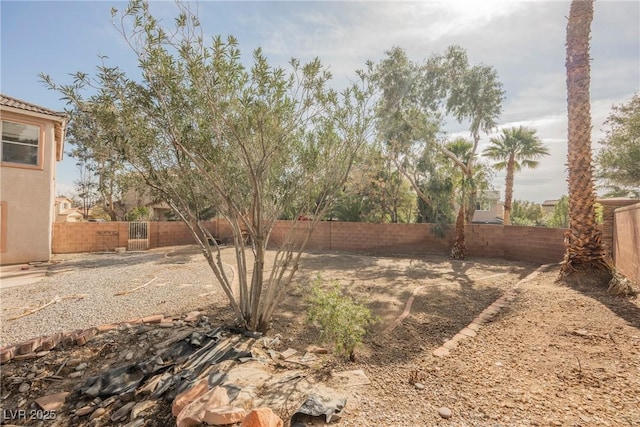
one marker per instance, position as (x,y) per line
(9,101)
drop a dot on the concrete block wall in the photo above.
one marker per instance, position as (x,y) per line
(75,237)
(626,238)
(534,244)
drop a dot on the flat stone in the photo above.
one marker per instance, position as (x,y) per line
(317,350)
(451,344)
(108,327)
(445,412)
(122,411)
(441,352)
(419,386)
(468,332)
(82,366)
(129,355)
(24,387)
(52,402)
(157,318)
(85,410)
(474,326)
(97,413)
(141,407)
(28,346)
(7,353)
(288,353)
(25,356)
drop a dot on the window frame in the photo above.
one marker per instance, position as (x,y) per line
(40,147)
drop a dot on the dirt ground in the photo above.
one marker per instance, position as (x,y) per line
(556,355)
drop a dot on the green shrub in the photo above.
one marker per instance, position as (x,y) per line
(342,320)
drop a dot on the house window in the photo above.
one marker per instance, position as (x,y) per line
(20,143)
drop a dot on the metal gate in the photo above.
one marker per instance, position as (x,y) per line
(138,236)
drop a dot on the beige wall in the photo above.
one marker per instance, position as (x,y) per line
(626,241)
(29,196)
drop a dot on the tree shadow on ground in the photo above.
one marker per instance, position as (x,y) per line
(445,297)
(627,308)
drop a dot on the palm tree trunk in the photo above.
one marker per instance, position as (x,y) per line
(584,249)
(508,191)
(458,248)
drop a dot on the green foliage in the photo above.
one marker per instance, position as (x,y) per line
(140,213)
(524,212)
(618,159)
(343,321)
(560,215)
(207,127)
(414,101)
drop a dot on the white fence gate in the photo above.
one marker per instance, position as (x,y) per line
(138,236)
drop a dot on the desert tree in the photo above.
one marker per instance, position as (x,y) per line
(619,156)
(514,149)
(205,130)
(414,101)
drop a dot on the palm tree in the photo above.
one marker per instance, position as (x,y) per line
(514,149)
(585,254)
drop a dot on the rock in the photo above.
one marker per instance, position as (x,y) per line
(24,387)
(419,386)
(82,366)
(262,417)
(224,415)
(317,350)
(97,413)
(445,412)
(207,408)
(188,396)
(141,407)
(85,410)
(76,374)
(52,402)
(129,356)
(122,412)
(288,353)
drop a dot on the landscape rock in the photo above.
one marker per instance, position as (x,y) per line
(262,417)
(52,402)
(85,410)
(122,412)
(445,412)
(204,408)
(188,396)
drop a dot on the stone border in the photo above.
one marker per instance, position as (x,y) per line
(487,315)
(41,346)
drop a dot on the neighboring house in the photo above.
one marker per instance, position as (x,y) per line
(139,197)
(490,209)
(64,212)
(549,205)
(32,143)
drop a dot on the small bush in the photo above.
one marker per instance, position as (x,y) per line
(342,320)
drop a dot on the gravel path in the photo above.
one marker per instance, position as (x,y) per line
(87,284)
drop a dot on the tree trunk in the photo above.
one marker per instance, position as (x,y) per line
(458,249)
(508,191)
(584,249)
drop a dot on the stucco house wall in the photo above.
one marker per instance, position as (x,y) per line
(27,192)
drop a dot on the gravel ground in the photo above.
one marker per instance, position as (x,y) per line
(87,284)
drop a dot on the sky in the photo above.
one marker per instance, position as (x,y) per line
(523,40)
